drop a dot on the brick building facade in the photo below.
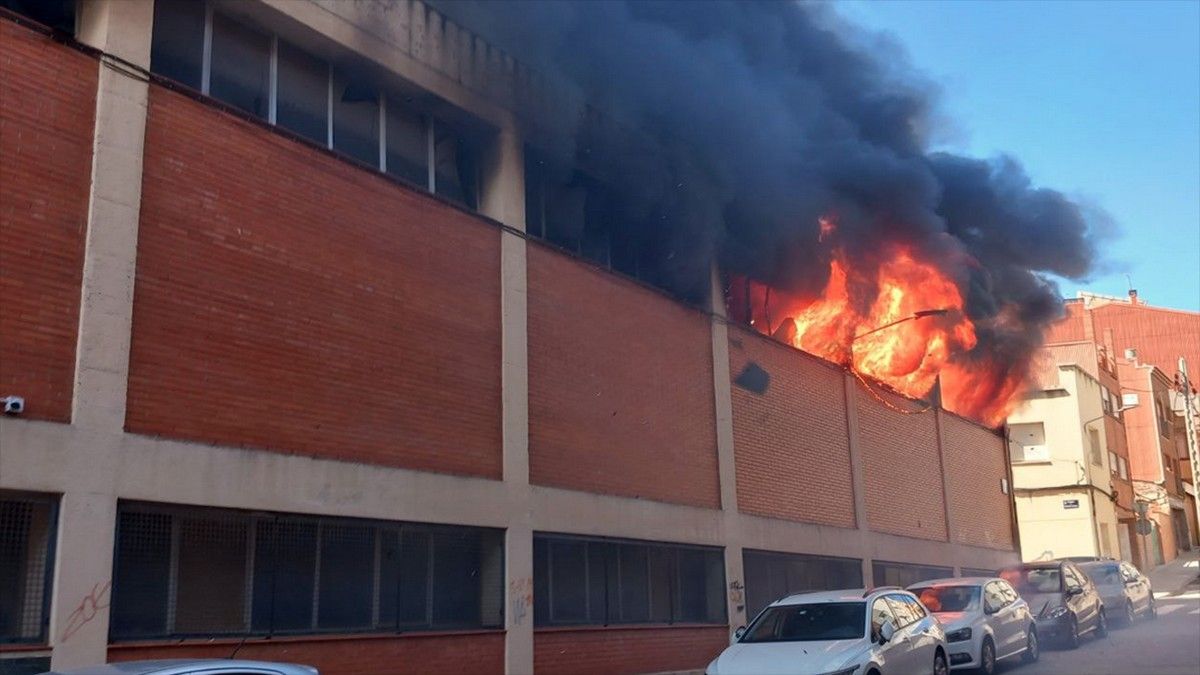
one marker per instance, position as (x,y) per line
(260,352)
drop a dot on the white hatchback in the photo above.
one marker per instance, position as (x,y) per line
(881,631)
(984,619)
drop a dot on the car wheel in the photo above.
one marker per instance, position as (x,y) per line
(1130,614)
(1072,637)
(1101,625)
(1032,648)
(939,664)
(987,657)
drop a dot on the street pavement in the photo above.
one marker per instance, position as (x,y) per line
(1169,645)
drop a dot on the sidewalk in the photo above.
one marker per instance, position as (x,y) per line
(1173,577)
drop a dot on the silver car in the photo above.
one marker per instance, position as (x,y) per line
(192,667)
(1126,591)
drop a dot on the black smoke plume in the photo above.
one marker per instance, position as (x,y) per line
(767,116)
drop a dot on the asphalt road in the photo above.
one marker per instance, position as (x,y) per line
(1168,645)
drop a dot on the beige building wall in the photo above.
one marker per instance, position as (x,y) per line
(1074,466)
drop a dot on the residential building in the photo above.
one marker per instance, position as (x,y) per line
(1157,335)
(309,373)
(1156,439)
(1070,461)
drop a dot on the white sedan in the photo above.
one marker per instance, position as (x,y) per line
(882,631)
(984,619)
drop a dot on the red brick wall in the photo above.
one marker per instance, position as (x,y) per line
(791,443)
(975,464)
(901,467)
(47,112)
(612,651)
(368,655)
(620,387)
(290,301)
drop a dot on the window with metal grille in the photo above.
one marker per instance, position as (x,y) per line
(772,575)
(978,572)
(184,571)
(591,581)
(27,523)
(903,574)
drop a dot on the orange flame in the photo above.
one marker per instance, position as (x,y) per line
(901,323)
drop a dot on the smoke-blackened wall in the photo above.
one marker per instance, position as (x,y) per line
(768,116)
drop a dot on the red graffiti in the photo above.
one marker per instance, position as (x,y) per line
(86,611)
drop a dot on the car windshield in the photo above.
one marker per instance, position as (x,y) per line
(1033,579)
(804,623)
(1104,573)
(948,598)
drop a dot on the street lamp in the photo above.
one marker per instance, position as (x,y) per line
(921,314)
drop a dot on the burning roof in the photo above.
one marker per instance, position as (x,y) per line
(795,150)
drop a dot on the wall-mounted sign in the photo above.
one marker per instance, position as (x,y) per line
(1070,503)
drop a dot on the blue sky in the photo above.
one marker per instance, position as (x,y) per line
(1100,100)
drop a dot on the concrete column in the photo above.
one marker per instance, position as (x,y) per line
(946,510)
(735,575)
(80,595)
(503,199)
(121,28)
(735,580)
(722,391)
(857,482)
(518,616)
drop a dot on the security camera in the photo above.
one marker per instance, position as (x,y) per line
(14,405)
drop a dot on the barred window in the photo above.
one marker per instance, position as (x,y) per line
(772,575)
(591,581)
(978,572)
(184,571)
(27,523)
(903,574)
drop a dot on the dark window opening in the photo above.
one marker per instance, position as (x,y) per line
(407,144)
(241,66)
(302,95)
(27,527)
(905,575)
(281,574)
(584,581)
(56,14)
(456,161)
(356,120)
(177,44)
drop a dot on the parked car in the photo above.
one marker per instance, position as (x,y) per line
(881,631)
(1122,588)
(984,619)
(1064,601)
(192,667)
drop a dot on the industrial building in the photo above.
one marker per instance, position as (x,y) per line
(309,368)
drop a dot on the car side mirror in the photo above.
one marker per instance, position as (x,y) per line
(990,609)
(886,632)
(737,634)
(1074,591)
